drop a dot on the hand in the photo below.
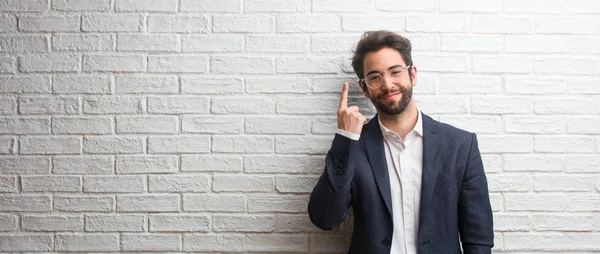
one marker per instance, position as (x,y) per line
(349,118)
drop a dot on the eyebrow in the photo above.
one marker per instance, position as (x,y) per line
(392,67)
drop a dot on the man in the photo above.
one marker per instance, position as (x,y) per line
(416,185)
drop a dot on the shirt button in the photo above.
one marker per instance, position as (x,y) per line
(386,241)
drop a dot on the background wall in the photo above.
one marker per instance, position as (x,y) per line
(202,126)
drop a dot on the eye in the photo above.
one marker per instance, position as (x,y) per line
(373,78)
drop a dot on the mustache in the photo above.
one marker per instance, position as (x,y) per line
(393,91)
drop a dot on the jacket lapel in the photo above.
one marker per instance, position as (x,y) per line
(373,140)
(431,160)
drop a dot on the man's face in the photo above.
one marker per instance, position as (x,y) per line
(395,94)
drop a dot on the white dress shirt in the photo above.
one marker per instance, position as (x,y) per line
(405,167)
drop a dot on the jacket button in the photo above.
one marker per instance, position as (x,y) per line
(386,241)
(340,172)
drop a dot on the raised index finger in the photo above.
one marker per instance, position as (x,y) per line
(344,96)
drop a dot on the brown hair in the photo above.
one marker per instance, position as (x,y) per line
(372,41)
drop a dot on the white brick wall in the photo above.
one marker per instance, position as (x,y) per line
(202,126)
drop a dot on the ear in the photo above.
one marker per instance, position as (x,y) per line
(364,88)
(413,75)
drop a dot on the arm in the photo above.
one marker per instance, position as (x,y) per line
(474,210)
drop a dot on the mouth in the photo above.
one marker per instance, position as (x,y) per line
(391,96)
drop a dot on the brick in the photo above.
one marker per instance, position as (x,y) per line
(81,5)
(470,6)
(179,223)
(473,43)
(178,104)
(334,85)
(251,6)
(307,105)
(563,183)
(72,84)
(203,85)
(148,203)
(552,6)
(277,85)
(583,163)
(534,124)
(277,125)
(177,63)
(470,84)
(7,145)
(25,203)
(178,183)
(83,203)
(242,105)
(241,65)
(114,63)
(211,163)
(8,24)
(294,223)
(279,203)
(213,242)
(52,222)
(114,184)
(214,203)
(143,164)
(446,23)
(583,125)
(276,243)
(370,23)
(22,84)
(492,163)
(86,242)
(509,182)
(220,6)
(242,183)
(242,24)
(113,144)
(410,5)
(505,144)
(284,164)
(242,144)
(24,125)
(48,105)
(443,63)
(296,184)
(82,42)
(8,105)
(212,43)
(151,242)
(50,145)
(575,66)
(501,104)
(112,23)
(276,43)
(535,202)
(342,6)
(533,163)
(8,184)
(177,24)
(329,243)
(53,183)
(147,84)
(583,86)
(477,124)
(529,85)
(502,64)
(564,105)
(307,65)
(212,125)
(147,124)
(580,241)
(308,24)
(304,144)
(439,104)
(115,223)
(148,42)
(584,203)
(24,165)
(559,222)
(179,144)
(23,43)
(564,144)
(531,44)
(332,43)
(49,23)
(88,165)
(491,23)
(82,125)
(512,222)
(25,241)
(496,201)
(8,222)
(8,64)
(243,223)
(145,5)
(27,6)
(424,42)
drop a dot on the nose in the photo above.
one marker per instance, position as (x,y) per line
(387,82)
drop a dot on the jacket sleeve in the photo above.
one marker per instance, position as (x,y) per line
(331,197)
(474,209)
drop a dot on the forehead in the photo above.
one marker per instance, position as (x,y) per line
(381,60)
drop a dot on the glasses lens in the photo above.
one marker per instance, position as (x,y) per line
(374,80)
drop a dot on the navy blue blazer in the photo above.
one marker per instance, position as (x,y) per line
(455,204)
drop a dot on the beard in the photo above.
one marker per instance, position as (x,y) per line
(393,107)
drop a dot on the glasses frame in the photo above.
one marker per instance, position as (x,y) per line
(386,73)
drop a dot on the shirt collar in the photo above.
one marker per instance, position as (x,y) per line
(418,126)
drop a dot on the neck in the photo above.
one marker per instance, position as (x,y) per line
(402,123)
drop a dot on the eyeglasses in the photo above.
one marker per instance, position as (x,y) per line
(375,80)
